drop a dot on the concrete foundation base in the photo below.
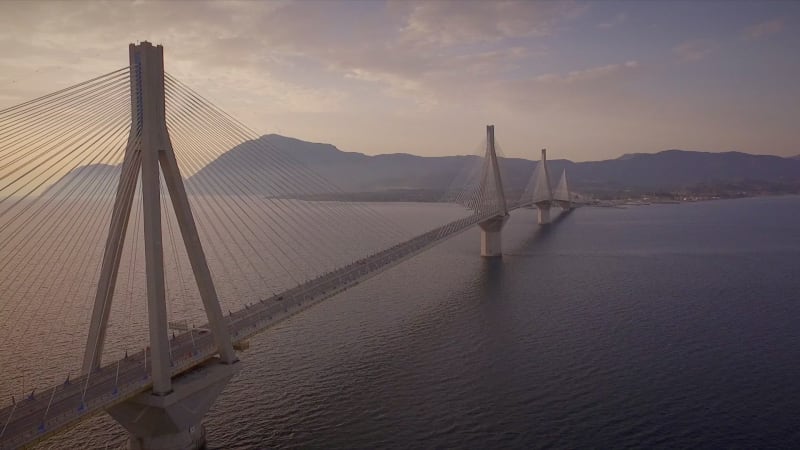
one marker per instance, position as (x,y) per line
(544,214)
(491,243)
(491,236)
(192,439)
(173,421)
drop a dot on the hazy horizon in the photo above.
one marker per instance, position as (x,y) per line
(532,157)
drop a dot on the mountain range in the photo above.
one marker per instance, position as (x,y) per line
(403,176)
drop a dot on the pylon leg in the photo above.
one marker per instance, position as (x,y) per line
(194,249)
(491,236)
(154,268)
(111,258)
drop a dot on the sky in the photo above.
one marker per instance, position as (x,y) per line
(587,80)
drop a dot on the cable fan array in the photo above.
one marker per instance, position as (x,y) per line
(59,154)
(259,210)
(475,186)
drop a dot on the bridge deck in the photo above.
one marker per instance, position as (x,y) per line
(34,418)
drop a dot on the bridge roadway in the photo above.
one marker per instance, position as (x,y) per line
(35,417)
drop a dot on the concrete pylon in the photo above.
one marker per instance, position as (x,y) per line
(543,192)
(543,216)
(168,416)
(562,194)
(491,236)
(491,228)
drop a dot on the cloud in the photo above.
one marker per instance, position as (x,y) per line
(694,50)
(407,49)
(617,20)
(469,21)
(216,47)
(406,55)
(593,73)
(314,68)
(763,29)
(599,90)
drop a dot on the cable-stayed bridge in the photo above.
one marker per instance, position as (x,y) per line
(104,198)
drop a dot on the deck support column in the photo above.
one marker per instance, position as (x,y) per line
(544,213)
(491,236)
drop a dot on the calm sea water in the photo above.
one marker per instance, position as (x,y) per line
(654,326)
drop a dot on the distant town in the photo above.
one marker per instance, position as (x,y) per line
(697,193)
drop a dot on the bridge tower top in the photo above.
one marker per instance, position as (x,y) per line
(147,88)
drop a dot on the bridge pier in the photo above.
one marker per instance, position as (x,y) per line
(491,236)
(544,213)
(174,421)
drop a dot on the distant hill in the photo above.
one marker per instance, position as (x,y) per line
(350,172)
(393,173)
(402,176)
(85,181)
(675,169)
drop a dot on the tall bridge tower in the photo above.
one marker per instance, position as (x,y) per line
(542,191)
(491,237)
(168,416)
